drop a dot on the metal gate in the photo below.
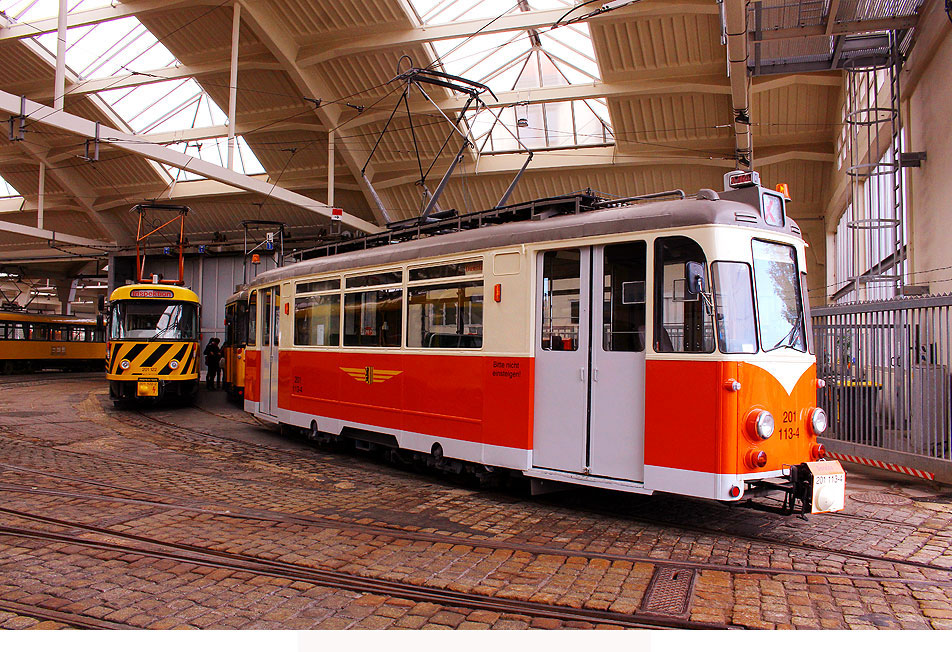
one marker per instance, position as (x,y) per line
(887,369)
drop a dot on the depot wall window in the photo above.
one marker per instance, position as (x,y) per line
(682,321)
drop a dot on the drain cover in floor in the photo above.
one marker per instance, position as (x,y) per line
(876,498)
(669,591)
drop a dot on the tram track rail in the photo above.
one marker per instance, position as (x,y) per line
(208,557)
(239,512)
(686,527)
(77,621)
(399,531)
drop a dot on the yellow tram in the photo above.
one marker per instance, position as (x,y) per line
(153,347)
(236,339)
(30,342)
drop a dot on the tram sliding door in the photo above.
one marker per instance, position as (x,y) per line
(270,327)
(560,416)
(617,421)
(590,361)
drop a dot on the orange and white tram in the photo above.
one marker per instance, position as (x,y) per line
(638,347)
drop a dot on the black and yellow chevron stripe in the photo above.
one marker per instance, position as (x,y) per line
(152,360)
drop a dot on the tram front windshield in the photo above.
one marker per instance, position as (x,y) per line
(153,320)
(779,304)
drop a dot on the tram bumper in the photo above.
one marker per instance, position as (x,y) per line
(808,488)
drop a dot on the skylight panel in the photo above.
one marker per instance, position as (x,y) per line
(215,150)
(110,48)
(6,190)
(547,125)
(437,12)
(165,106)
(22,11)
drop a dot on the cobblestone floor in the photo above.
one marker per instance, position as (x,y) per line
(209,476)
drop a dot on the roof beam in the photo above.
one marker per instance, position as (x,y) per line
(706,84)
(81,191)
(262,20)
(311,55)
(593,157)
(78,18)
(52,236)
(131,143)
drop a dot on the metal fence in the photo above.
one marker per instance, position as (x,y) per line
(887,367)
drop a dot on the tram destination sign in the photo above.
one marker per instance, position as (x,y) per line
(151,294)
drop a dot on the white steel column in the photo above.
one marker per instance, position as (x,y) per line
(39,198)
(59,80)
(330,167)
(233,87)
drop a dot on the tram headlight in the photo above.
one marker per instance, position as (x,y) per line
(818,421)
(173,364)
(124,364)
(760,424)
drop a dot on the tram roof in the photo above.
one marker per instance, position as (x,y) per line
(51,319)
(139,291)
(704,210)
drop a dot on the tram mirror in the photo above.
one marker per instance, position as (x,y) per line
(695,282)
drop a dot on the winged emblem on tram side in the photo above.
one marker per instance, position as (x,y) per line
(370,375)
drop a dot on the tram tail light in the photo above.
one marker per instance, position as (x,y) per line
(734,491)
(817,452)
(756,459)
(497,292)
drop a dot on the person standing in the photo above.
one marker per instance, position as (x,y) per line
(213,357)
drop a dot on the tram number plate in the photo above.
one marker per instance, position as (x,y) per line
(829,486)
(147,388)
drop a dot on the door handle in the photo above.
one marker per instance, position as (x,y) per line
(594,374)
(581,374)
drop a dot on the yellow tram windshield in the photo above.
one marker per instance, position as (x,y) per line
(153,320)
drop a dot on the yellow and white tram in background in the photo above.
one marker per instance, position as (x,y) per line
(637,347)
(30,342)
(236,339)
(153,345)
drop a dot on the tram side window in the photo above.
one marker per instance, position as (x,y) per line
(373,317)
(807,319)
(734,307)
(561,294)
(623,327)
(230,325)
(266,318)
(682,322)
(242,324)
(446,316)
(253,319)
(317,320)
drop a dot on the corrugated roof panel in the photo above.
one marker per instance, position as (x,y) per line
(195,32)
(656,43)
(365,76)
(313,17)
(683,117)
(808,182)
(795,109)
